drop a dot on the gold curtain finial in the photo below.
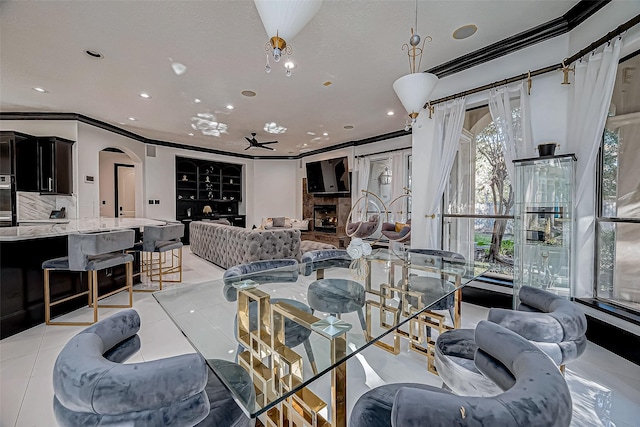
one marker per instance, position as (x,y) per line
(565,70)
(431,109)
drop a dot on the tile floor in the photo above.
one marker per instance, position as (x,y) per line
(598,380)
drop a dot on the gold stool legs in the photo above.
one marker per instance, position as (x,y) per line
(92,296)
(162,270)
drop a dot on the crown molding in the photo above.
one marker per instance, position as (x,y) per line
(550,29)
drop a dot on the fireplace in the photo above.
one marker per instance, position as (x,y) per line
(325,218)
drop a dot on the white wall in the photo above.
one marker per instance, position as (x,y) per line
(275,190)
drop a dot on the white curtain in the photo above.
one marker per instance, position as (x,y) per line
(398,210)
(364,170)
(594,81)
(449,118)
(515,135)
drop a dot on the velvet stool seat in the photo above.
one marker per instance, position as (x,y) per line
(552,323)
(272,271)
(90,253)
(337,297)
(160,240)
(533,392)
(92,385)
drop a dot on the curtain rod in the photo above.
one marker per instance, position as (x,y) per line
(381,152)
(602,40)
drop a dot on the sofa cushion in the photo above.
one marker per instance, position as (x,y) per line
(278,221)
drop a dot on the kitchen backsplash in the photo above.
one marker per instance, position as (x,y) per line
(32,206)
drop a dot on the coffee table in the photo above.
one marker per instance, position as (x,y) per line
(286,386)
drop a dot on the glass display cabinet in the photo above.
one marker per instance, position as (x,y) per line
(544,192)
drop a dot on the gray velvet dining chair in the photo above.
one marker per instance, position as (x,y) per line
(271,271)
(320,259)
(553,323)
(535,392)
(93,386)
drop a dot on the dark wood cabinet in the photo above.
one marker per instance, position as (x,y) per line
(208,190)
(45,165)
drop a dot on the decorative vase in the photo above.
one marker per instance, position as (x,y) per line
(547,149)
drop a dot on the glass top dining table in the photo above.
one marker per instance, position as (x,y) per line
(269,325)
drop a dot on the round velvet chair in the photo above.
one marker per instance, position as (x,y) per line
(536,394)
(553,323)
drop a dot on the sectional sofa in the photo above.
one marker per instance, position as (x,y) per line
(226,246)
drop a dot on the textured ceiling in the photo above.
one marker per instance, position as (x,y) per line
(354,44)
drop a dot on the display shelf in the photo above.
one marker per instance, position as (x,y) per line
(215,185)
(543,226)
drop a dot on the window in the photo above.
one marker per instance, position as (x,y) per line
(618,222)
(478,219)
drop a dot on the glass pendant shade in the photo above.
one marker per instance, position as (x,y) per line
(414,90)
(286,17)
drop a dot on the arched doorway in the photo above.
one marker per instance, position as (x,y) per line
(118,178)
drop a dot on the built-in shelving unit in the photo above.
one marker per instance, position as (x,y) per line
(208,190)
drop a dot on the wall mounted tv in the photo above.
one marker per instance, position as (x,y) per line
(328,176)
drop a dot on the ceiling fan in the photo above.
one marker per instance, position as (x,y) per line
(254,143)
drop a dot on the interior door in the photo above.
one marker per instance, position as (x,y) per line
(126,191)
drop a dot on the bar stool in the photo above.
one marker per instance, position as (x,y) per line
(91,252)
(160,239)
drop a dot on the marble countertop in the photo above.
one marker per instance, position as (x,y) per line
(40,231)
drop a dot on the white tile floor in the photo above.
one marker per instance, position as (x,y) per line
(26,363)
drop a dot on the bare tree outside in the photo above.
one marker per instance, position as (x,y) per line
(493,189)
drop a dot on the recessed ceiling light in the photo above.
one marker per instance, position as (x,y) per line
(197,101)
(348,127)
(229,107)
(94,54)
(133,119)
(305,144)
(40,90)
(178,68)
(248,93)
(465,31)
(390,113)
(145,95)
(190,133)
(311,133)
(327,83)
(325,134)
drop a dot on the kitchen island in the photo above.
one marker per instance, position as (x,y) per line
(22,251)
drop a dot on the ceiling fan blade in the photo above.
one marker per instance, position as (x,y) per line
(270,142)
(247,138)
(268,148)
(247,148)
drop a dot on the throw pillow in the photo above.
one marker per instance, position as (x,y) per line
(400,226)
(278,221)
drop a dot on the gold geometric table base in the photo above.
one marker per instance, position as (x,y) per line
(276,369)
